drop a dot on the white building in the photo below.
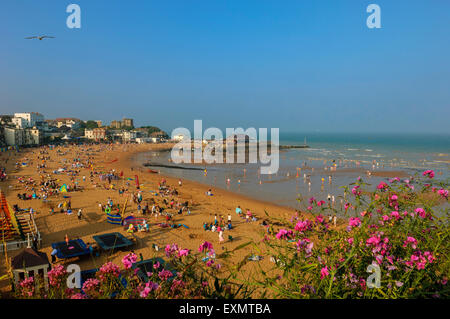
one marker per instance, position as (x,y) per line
(20,137)
(95,134)
(178,137)
(129,136)
(19,122)
(30,118)
(144,140)
(69,122)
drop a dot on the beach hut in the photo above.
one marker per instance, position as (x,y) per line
(30,263)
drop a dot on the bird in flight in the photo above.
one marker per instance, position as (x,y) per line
(40,37)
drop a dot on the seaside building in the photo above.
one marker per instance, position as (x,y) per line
(145,140)
(95,134)
(22,136)
(115,124)
(129,136)
(29,119)
(70,122)
(127,122)
(30,263)
(99,123)
(5,119)
(178,137)
(19,122)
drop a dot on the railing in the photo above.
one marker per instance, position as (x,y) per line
(14,245)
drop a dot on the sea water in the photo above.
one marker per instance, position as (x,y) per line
(352,155)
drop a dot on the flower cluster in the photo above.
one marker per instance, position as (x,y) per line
(57,276)
(91,287)
(284,234)
(108,270)
(129,260)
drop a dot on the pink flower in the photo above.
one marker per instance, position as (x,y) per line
(303,226)
(429,256)
(396,215)
(107,270)
(382,185)
(443,193)
(284,234)
(91,286)
(320,203)
(354,222)
(324,272)
(149,286)
(410,240)
(374,240)
(350,240)
(421,212)
(205,246)
(429,173)
(57,275)
(394,197)
(355,190)
(129,260)
(164,275)
(171,249)
(320,219)
(183,252)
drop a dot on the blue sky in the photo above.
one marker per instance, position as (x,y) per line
(297,65)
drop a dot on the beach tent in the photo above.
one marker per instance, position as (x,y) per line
(133,220)
(63,189)
(113,218)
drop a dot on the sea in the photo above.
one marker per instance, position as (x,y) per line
(331,161)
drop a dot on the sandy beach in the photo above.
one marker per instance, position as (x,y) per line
(54,227)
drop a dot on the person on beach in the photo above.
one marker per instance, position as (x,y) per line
(67,240)
(79,214)
(220,235)
(238,210)
(53,254)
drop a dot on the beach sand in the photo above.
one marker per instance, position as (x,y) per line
(53,228)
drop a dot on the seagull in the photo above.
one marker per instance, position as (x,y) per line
(40,37)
